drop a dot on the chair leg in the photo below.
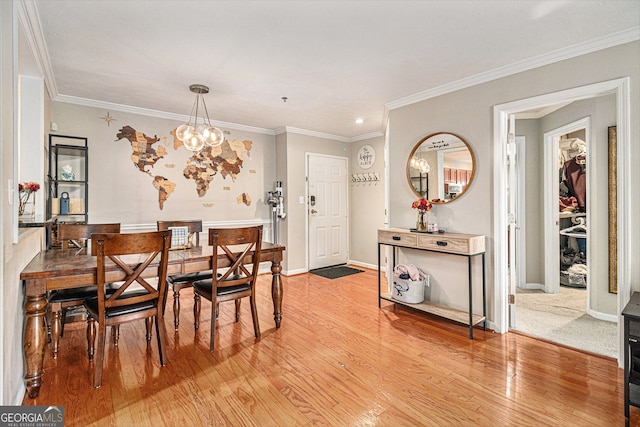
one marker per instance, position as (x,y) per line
(176,308)
(254,315)
(161,333)
(217,309)
(115,333)
(91,337)
(238,301)
(63,321)
(149,325)
(97,367)
(212,333)
(196,311)
(55,332)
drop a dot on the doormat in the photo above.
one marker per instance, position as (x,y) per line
(335,271)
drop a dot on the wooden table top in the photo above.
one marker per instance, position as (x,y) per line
(69,262)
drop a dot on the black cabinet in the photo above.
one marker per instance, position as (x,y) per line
(631,315)
(68,182)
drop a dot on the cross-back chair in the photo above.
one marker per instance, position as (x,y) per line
(72,235)
(178,282)
(241,246)
(132,258)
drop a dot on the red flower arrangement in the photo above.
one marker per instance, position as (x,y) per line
(25,191)
(422,204)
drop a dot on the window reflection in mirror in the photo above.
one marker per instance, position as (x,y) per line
(440,167)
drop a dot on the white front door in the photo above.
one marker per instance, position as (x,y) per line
(327,210)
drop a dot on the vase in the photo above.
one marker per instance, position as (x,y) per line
(421,222)
(27,208)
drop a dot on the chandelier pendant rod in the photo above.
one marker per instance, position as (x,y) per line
(206,112)
(193,108)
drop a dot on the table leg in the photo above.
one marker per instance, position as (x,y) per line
(276,291)
(34,341)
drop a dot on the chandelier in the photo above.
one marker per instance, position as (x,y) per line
(193,135)
(420,163)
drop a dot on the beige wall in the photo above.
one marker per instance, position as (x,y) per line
(469,113)
(119,191)
(534,220)
(297,147)
(366,206)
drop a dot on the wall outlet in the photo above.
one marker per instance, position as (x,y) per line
(54,126)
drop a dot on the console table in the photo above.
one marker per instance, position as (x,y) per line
(465,245)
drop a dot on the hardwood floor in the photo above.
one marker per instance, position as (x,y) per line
(337,360)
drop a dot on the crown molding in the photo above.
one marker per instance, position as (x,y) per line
(30,23)
(154,113)
(366,136)
(298,131)
(579,49)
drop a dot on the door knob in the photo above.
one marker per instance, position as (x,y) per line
(313,211)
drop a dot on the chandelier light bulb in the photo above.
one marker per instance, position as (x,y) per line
(182,131)
(423,166)
(214,136)
(194,142)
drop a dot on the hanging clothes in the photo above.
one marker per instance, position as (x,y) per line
(576,179)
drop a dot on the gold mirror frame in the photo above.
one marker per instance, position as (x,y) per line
(435,142)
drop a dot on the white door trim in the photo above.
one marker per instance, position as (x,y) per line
(620,87)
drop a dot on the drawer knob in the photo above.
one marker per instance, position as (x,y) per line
(441,243)
(396,238)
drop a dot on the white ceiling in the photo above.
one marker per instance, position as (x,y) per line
(335,61)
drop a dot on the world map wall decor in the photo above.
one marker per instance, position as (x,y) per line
(226,159)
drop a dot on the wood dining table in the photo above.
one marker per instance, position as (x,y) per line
(71,268)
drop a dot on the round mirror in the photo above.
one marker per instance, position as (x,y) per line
(440,167)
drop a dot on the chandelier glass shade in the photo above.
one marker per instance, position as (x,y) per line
(199,131)
(421,164)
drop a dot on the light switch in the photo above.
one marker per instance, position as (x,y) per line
(302,200)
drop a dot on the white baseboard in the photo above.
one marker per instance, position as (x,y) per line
(491,325)
(538,286)
(294,272)
(365,265)
(603,316)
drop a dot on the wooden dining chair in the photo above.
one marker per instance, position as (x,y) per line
(241,246)
(72,235)
(113,253)
(178,282)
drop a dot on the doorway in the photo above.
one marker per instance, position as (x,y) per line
(558,308)
(619,88)
(327,210)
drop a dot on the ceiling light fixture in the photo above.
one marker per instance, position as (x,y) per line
(193,135)
(359,121)
(417,162)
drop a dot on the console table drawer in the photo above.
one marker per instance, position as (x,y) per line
(398,238)
(458,244)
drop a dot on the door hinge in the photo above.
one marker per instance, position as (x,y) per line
(512,299)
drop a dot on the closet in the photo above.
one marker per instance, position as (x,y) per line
(573,224)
